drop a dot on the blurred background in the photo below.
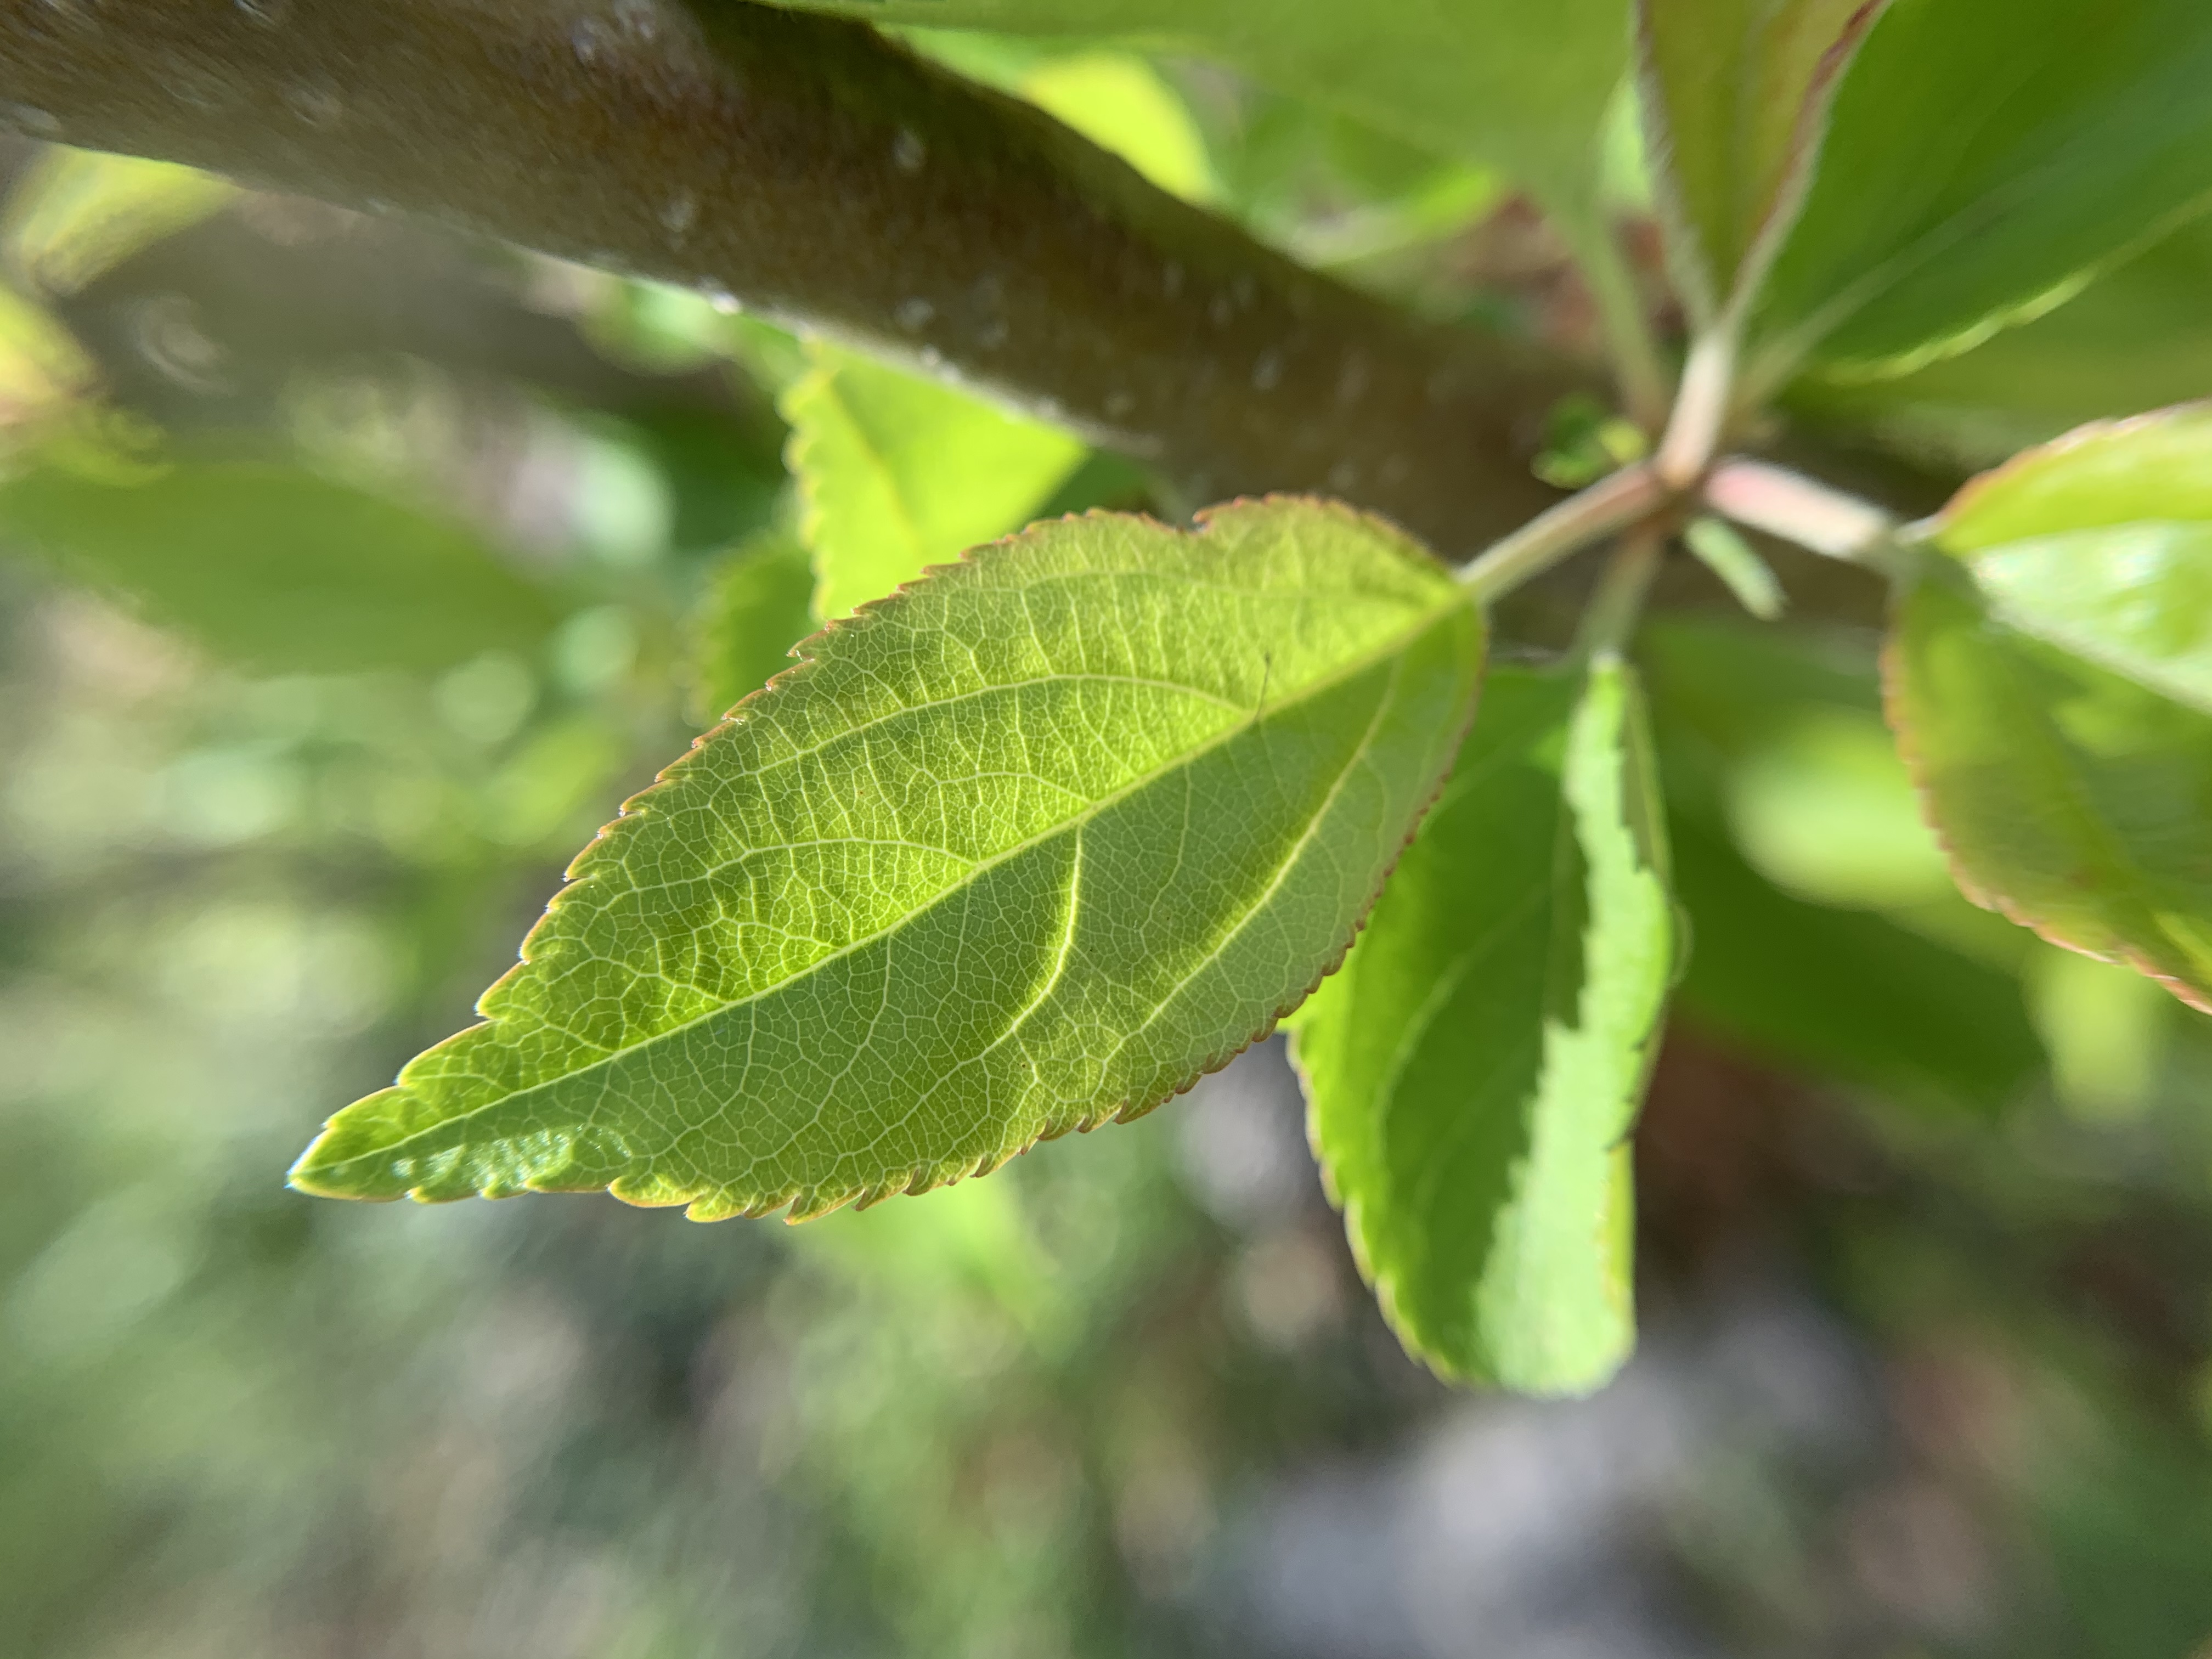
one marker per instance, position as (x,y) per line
(351,573)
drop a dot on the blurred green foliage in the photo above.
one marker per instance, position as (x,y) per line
(277,570)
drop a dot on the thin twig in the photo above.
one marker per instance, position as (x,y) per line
(1815,516)
(1605,508)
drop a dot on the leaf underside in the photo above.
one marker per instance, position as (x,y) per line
(2138,336)
(2070,798)
(1029,845)
(1736,94)
(1475,1067)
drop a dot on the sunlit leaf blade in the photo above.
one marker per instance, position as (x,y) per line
(1475,1069)
(898,473)
(42,367)
(280,570)
(1524,88)
(2102,542)
(2074,801)
(760,604)
(1119,102)
(1031,845)
(1736,95)
(1983,154)
(78,212)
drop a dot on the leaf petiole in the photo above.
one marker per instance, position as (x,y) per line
(1618,600)
(1701,409)
(1815,516)
(1606,508)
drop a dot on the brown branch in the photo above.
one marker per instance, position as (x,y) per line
(827,178)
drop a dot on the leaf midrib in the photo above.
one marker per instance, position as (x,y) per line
(1394,645)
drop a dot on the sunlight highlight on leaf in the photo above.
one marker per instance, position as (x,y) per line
(898,473)
(1026,847)
(1475,1068)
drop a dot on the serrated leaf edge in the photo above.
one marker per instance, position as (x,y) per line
(1969,494)
(1976,891)
(1385,1285)
(807,1204)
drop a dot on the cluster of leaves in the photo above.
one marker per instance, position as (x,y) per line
(1033,840)
(1040,837)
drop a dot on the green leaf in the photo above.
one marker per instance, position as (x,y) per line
(1983,155)
(2101,542)
(1521,87)
(760,605)
(1721,549)
(1475,1068)
(280,570)
(1736,93)
(1027,846)
(1825,810)
(898,473)
(2070,798)
(1118,102)
(2138,336)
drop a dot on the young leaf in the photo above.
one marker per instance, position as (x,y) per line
(2101,542)
(1982,156)
(279,570)
(761,604)
(1475,1069)
(1521,86)
(898,473)
(2070,798)
(1736,93)
(1027,846)
(1723,552)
